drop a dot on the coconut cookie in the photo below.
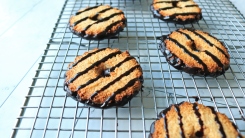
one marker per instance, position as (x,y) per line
(97,22)
(195,52)
(192,120)
(181,11)
(103,78)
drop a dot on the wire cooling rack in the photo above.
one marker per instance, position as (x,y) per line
(48,112)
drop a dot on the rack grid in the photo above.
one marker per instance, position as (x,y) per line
(48,112)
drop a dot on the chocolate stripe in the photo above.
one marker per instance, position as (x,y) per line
(164,2)
(120,63)
(184,14)
(215,59)
(188,37)
(102,20)
(189,53)
(235,127)
(90,8)
(79,21)
(207,41)
(112,82)
(88,82)
(222,52)
(88,55)
(109,27)
(94,17)
(221,129)
(180,119)
(93,65)
(112,97)
(199,133)
(166,126)
(171,1)
(98,77)
(163,115)
(167,8)
(191,5)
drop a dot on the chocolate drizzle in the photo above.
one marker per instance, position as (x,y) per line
(87,83)
(207,41)
(120,63)
(199,133)
(189,38)
(112,97)
(101,20)
(165,8)
(166,2)
(89,8)
(180,119)
(79,21)
(163,114)
(191,5)
(174,3)
(108,28)
(93,65)
(186,35)
(215,59)
(88,55)
(221,129)
(184,14)
(112,82)
(98,77)
(196,98)
(95,17)
(189,53)
(166,127)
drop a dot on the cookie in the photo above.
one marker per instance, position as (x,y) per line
(195,52)
(104,78)
(97,22)
(192,120)
(182,11)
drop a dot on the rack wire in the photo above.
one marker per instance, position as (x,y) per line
(48,112)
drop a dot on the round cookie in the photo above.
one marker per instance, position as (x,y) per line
(97,22)
(182,11)
(195,52)
(103,78)
(192,120)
